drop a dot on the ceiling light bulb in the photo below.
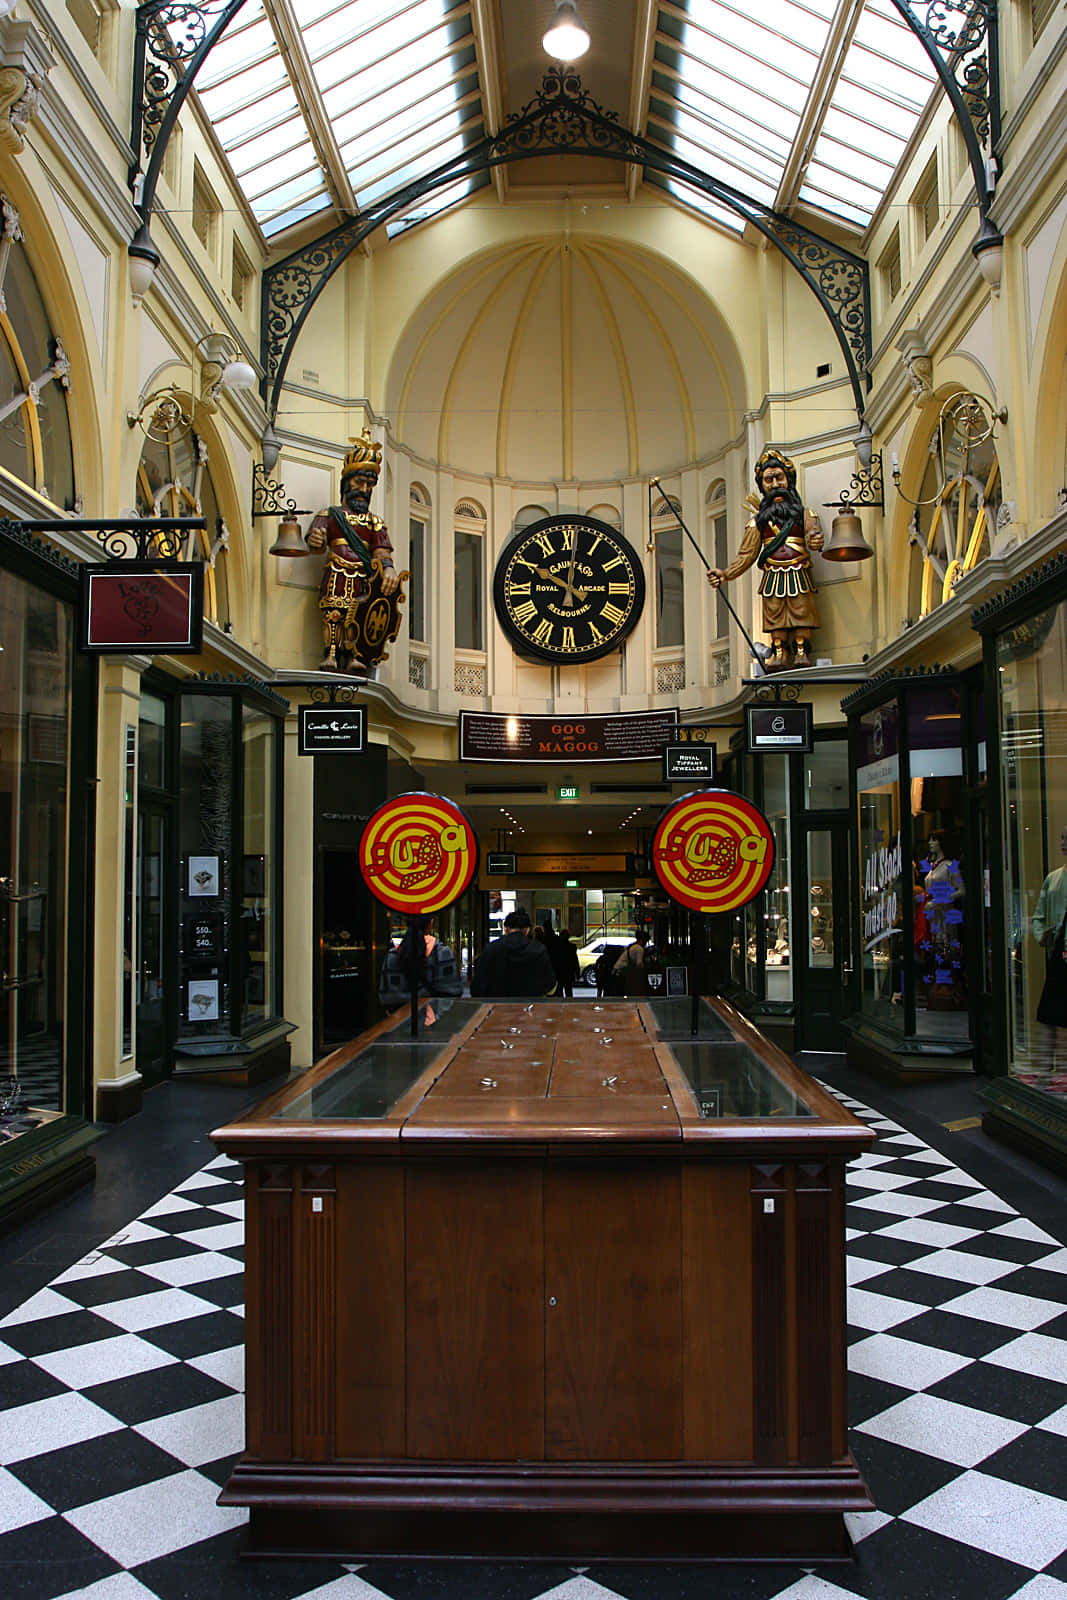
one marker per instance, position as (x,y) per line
(567,38)
(238,374)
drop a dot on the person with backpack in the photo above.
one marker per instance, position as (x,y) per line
(631,967)
(514,967)
(440,975)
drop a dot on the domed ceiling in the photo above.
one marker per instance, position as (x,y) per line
(566,359)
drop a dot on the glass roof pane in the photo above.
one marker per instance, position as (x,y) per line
(244,88)
(301,213)
(266,180)
(697,201)
(383,175)
(703,87)
(257,117)
(782,37)
(432,205)
(687,129)
(723,121)
(879,142)
(238,47)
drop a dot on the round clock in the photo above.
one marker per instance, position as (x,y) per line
(568,589)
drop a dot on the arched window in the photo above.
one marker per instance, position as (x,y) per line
(670,595)
(470,576)
(718,549)
(958,503)
(35,442)
(418,551)
(173,480)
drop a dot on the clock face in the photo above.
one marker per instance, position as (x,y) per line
(568,589)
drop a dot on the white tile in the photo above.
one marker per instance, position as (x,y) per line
(1002,1307)
(964,1265)
(7,1355)
(133,1233)
(46,1303)
(81,1366)
(903,1361)
(933,1158)
(229,1208)
(1043,1587)
(225,1366)
(19,1506)
(943,1429)
(861,1524)
(990,1514)
(200,1180)
(94,1266)
(154,1310)
(1035,1353)
(878,1178)
(982,1200)
(884,1122)
(878,1311)
(904,1139)
(900,1205)
(1056,1423)
(954,1178)
(156,1518)
(222,1161)
(920,1230)
(120,1586)
(854,1233)
(1056,1262)
(170,1205)
(812,1588)
(350,1587)
(579,1588)
(858,1268)
(52,1424)
(201,1434)
(1022,1228)
(201,1268)
(226,1236)
(869,1158)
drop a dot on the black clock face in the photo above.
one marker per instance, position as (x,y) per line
(568,589)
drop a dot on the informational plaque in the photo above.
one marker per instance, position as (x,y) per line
(778,728)
(142,606)
(713,850)
(332,730)
(418,853)
(501,862)
(632,736)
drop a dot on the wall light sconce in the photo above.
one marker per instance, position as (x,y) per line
(144,259)
(965,421)
(988,251)
(169,412)
(567,37)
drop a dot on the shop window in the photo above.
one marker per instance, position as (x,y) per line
(882,895)
(1032,677)
(242,278)
(469,577)
(670,595)
(957,512)
(935,774)
(174,480)
(35,444)
(775,899)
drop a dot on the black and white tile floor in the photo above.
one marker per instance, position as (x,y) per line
(121,1391)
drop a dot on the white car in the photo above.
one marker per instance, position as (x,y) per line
(588,954)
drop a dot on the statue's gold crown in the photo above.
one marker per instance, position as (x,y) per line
(364,456)
(780,460)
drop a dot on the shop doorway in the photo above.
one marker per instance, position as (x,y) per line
(823,940)
(152,957)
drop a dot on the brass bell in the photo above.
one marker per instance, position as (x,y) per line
(290,541)
(846,541)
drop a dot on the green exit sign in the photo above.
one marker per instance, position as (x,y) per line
(567,791)
(570,883)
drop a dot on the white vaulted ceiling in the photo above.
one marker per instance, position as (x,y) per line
(505,368)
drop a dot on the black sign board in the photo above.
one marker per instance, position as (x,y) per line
(332,730)
(778,729)
(685,763)
(501,862)
(142,607)
(202,936)
(632,736)
(677,980)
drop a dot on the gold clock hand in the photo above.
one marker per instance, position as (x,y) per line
(543,572)
(569,600)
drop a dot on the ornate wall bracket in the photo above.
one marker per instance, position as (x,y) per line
(269,498)
(25,61)
(961,39)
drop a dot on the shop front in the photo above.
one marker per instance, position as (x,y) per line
(1025,635)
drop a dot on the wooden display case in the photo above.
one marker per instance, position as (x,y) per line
(558,1279)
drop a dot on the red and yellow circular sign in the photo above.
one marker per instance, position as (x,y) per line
(713,850)
(418,853)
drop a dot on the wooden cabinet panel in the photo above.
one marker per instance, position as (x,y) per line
(475,1312)
(613,1312)
(370,1310)
(717,1279)
(268,1310)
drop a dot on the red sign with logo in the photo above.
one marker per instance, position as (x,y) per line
(418,853)
(143,606)
(713,850)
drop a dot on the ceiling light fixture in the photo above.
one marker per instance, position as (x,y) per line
(567,38)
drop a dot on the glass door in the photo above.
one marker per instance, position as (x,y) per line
(153,1031)
(822,941)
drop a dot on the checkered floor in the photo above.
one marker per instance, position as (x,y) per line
(121,1391)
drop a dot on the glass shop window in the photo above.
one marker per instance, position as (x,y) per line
(935,765)
(35,444)
(775,899)
(826,776)
(882,902)
(206,1006)
(1032,676)
(257,867)
(35,690)
(470,583)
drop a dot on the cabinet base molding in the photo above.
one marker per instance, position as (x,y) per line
(633,1511)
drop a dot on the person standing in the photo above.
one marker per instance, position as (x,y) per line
(1049,928)
(514,966)
(565,963)
(439,975)
(631,967)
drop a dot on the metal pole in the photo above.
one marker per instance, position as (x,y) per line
(676,514)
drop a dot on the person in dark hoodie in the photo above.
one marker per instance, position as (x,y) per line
(514,967)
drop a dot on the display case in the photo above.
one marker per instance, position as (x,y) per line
(548,1278)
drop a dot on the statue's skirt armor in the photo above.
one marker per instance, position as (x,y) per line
(788,593)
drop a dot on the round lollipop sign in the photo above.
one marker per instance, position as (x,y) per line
(418,853)
(713,850)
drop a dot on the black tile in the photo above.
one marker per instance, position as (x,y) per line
(1036,1460)
(82,1473)
(868,1397)
(110,1289)
(894,1252)
(50,1558)
(147,1395)
(924,1288)
(470,1580)
(902,1562)
(196,1336)
(169,1247)
(21,1383)
(726,1580)
(1037,1285)
(214,1570)
(898,1478)
(226,1291)
(1003,1392)
(1000,1247)
(57,1333)
(944,1331)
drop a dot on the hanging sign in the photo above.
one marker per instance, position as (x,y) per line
(142,606)
(332,730)
(418,853)
(713,850)
(778,727)
(693,763)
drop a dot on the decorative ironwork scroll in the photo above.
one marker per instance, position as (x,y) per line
(564,119)
(867,488)
(269,498)
(124,538)
(961,39)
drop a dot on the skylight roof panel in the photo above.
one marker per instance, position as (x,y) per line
(420,165)
(724,120)
(743,68)
(266,176)
(719,90)
(308,208)
(877,141)
(406,159)
(726,171)
(433,204)
(848,156)
(842,188)
(408,92)
(257,117)
(418,24)
(739,152)
(783,38)
(388,128)
(886,80)
(835,206)
(298,194)
(244,88)
(883,30)
(874,110)
(701,203)
(237,48)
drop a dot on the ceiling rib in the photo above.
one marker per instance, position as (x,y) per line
(286,30)
(842,29)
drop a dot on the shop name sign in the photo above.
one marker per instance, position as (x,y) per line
(633,736)
(332,730)
(142,606)
(881,879)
